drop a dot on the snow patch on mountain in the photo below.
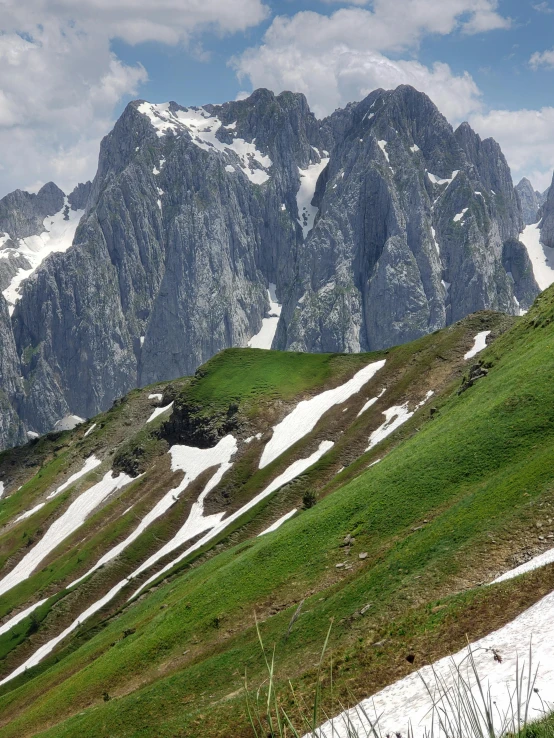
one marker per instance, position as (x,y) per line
(58,235)
(203,127)
(395,416)
(278,523)
(305,194)
(264,338)
(542,257)
(307,413)
(479,344)
(64,526)
(406,705)
(91,463)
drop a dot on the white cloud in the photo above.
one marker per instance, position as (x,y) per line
(525,137)
(339,58)
(542,59)
(60,83)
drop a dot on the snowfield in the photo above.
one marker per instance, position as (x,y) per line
(193,461)
(303,419)
(406,702)
(542,257)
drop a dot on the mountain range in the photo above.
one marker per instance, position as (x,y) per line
(252,223)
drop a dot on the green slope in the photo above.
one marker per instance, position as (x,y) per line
(456,495)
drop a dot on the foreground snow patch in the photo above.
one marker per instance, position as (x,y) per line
(394,417)
(307,413)
(535,563)
(479,343)
(542,257)
(407,702)
(64,526)
(278,523)
(30,512)
(264,339)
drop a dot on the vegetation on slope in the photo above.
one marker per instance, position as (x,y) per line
(445,510)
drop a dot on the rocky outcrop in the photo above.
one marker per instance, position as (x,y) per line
(377,225)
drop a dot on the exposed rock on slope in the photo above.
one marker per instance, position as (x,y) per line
(376,226)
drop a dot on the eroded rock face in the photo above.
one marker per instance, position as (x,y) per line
(377,225)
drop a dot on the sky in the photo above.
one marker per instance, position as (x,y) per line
(69,67)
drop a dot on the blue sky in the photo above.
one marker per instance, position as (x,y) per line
(68,67)
(497,60)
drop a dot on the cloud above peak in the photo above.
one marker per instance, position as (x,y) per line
(60,82)
(342,57)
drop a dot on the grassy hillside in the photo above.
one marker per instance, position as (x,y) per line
(454,501)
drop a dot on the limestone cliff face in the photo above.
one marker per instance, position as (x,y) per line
(377,225)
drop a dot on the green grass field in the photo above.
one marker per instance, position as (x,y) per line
(443,511)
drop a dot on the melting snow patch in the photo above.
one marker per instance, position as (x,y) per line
(264,338)
(202,127)
(32,435)
(92,427)
(193,462)
(383,147)
(57,236)
(30,512)
(371,402)
(68,423)
(535,563)
(479,343)
(229,168)
(159,411)
(192,458)
(156,396)
(438,181)
(407,703)
(394,417)
(414,148)
(287,476)
(1,490)
(251,438)
(459,216)
(20,616)
(91,463)
(64,526)
(307,413)
(305,195)
(542,257)
(278,523)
